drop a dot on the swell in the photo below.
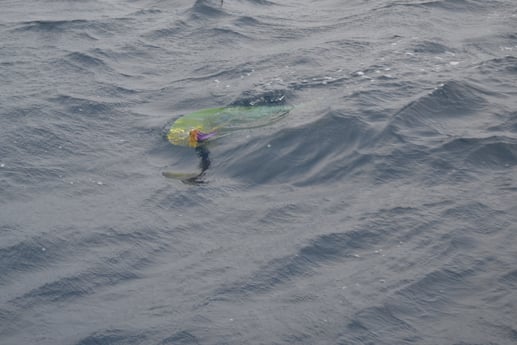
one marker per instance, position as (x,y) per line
(338,249)
(203,9)
(442,282)
(447,5)
(131,336)
(82,62)
(135,252)
(92,29)
(499,66)
(499,74)
(216,8)
(53,25)
(115,336)
(494,152)
(451,99)
(63,128)
(323,250)
(443,132)
(301,155)
(28,255)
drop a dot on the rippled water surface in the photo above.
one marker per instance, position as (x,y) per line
(381,210)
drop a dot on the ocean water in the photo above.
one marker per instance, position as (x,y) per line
(381,210)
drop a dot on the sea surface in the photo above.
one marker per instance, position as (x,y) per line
(381,210)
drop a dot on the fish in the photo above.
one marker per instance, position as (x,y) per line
(200,126)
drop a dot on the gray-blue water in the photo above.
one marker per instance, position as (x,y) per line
(381,210)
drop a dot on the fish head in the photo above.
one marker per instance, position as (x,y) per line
(197,137)
(194,137)
(178,136)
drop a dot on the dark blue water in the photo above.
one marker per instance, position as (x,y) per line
(382,210)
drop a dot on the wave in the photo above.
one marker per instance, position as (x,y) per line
(484,153)
(508,125)
(27,255)
(206,9)
(53,25)
(226,36)
(114,336)
(259,98)
(450,5)
(262,2)
(426,135)
(433,117)
(84,62)
(119,336)
(177,28)
(431,47)
(181,338)
(322,250)
(85,59)
(440,293)
(499,66)
(451,99)
(83,105)
(509,279)
(135,249)
(303,154)
(90,29)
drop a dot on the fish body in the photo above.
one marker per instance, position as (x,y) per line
(213,122)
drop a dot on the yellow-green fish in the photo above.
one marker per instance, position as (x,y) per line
(195,128)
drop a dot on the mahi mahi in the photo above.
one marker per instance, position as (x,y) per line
(197,127)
